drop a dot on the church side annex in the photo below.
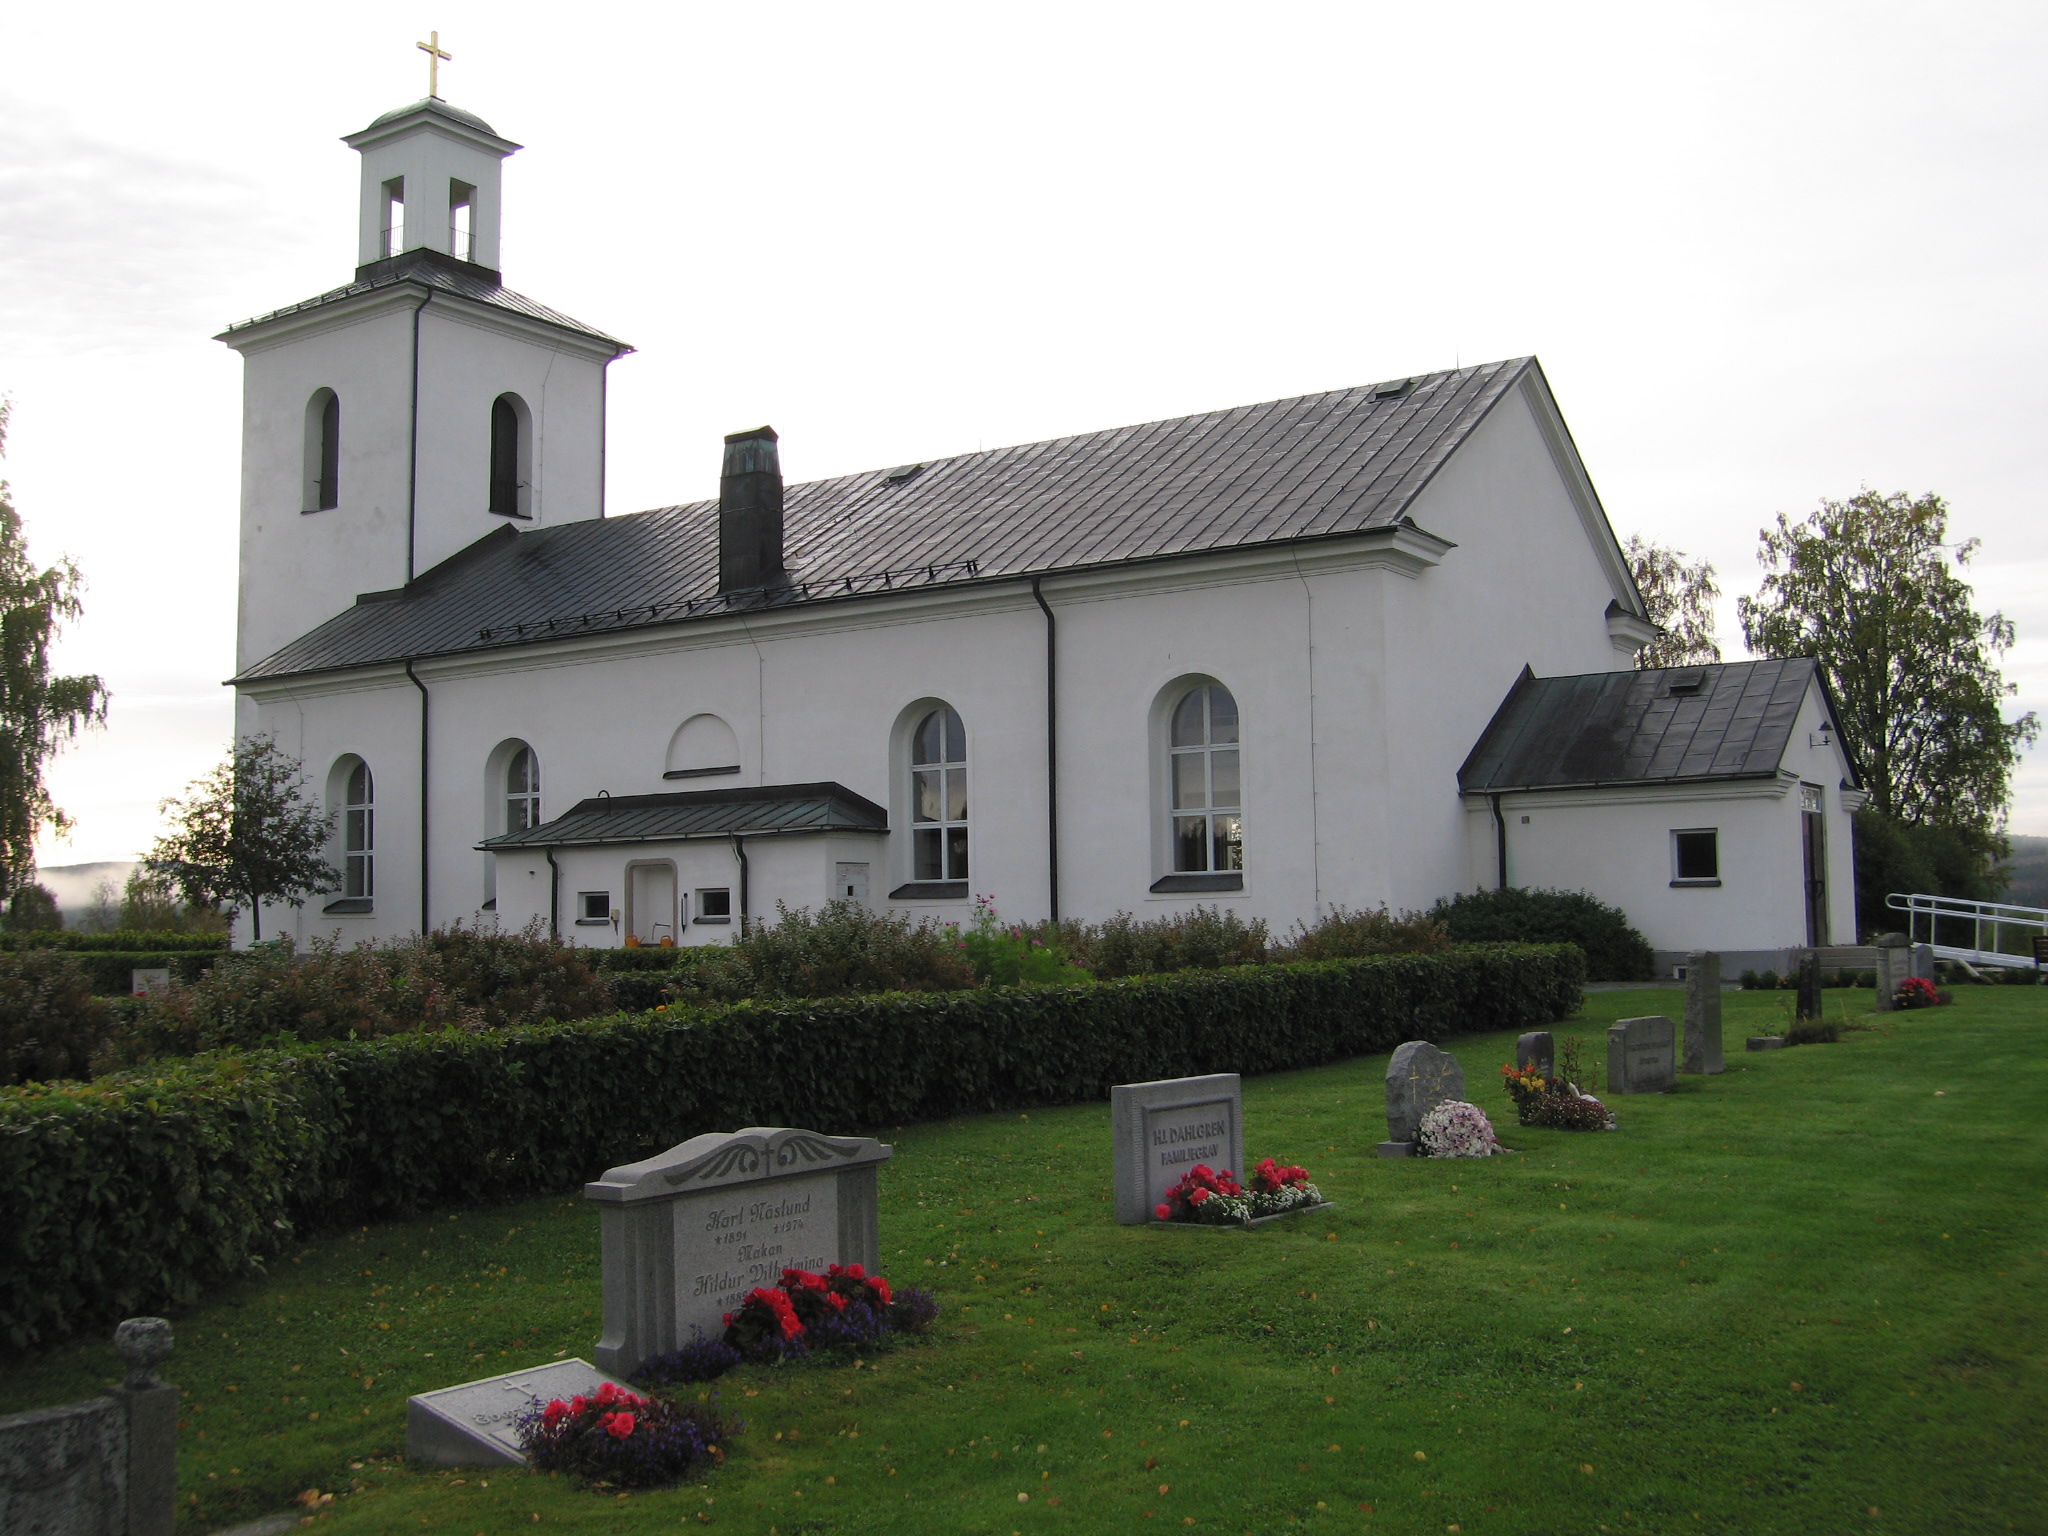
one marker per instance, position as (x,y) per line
(1236,658)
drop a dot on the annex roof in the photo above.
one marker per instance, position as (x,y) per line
(1316,466)
(702,813)
(1729,721)
(430,269)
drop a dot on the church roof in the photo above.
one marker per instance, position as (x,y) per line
(436,105)
(1313,467)
(702,813)
(1667,726)
(431,269)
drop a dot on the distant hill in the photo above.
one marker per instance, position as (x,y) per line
(73,884)
(2029,866)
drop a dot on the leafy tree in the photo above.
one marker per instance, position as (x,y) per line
(37,711)
(1680,601)
(150,904)
(247,833)
(32,909)
(1866,587)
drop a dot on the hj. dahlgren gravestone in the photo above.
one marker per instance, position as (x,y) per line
(1161,1130)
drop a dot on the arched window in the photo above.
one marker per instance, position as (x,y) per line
(522,791)
(703,747)
(359,834)
(1207,805)
(323,452)
(511,457)
(938,797)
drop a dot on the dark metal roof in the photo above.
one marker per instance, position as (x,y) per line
(703,813)
(1287,470)
(443,273)
(435,105)
(1730,721)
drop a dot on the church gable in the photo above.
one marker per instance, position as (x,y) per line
(1286,471)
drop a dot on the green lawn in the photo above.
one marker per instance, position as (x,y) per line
(1806,1296)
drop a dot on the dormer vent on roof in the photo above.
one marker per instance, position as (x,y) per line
(750,512)
(1684,684)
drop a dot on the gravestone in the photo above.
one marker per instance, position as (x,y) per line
(1809,1004)
(1537,1048)
(1419,1078)
(1160,1130)
(1922,962)
(1894,963)
(1640,1055)
(1703,1013)
(146,979)
(687,1233)
(472,1425)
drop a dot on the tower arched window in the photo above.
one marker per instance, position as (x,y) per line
(522,791)
(511,457)
(359,834)
(323,452)
(1206,803)
(938,796)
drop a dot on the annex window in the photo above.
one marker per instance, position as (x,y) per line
(1696,856)
(511,457)
(938,797)
(1205,802)
(593,907)
(359,835)
(714,905)
(323,452)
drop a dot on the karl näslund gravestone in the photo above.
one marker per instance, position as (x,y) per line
(1163,1129)
(688,1233)
(1640,1055)
(1419,1078)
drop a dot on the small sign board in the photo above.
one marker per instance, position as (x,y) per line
(145,979)
(471,1425)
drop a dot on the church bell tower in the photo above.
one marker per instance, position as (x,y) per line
(390,423)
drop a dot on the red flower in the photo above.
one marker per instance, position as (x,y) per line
(1197,1197)
(554,1413)
(1163,1212)
(618,1425)
(838,1301)
(881,1288)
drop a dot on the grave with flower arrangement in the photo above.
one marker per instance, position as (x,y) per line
(687,1234)
(1161,1131)
(1419,1077)
(476,1424)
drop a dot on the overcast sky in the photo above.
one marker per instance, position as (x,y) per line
(1767,253)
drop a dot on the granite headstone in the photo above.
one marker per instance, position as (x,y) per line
(1703,1013)
(473,1425)
(1641,1055)
(1419,1077)
(1538,1048)
(1808,1005)
(687,1233)
(1162,1129)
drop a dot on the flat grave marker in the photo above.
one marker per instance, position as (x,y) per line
(471,1425)
(1162,1129)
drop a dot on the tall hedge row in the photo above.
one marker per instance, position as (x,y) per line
(118,939)
(139,1191)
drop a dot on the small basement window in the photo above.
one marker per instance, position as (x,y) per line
(593,907)
(714,905)
(1696,856)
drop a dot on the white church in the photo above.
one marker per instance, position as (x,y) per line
(1368,647)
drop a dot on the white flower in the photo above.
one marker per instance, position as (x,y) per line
(1457,1129)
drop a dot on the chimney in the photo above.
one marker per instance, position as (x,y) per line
(750,512)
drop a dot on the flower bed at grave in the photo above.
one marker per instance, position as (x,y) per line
(1457,1129)
(1556,1102)
(1217,1199)
(843,1309)
(1919,992)
(619,1439)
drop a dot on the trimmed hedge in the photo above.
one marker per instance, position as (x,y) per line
(127,939)
(138,1192)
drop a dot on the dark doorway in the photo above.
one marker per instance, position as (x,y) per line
(1814,850)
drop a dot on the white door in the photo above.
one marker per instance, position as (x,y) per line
(653,897)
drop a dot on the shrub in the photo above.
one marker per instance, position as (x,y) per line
(620,1439)
(141,1189)
(1204,939)
(843,950)
(50,1023)
(1011,956)
(1813,1032)
(453,977)
(1614,950)
(117,938)
(1343,935)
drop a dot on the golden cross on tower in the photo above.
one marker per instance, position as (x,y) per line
(432,49)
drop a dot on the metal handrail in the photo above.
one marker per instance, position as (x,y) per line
(1954,910)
